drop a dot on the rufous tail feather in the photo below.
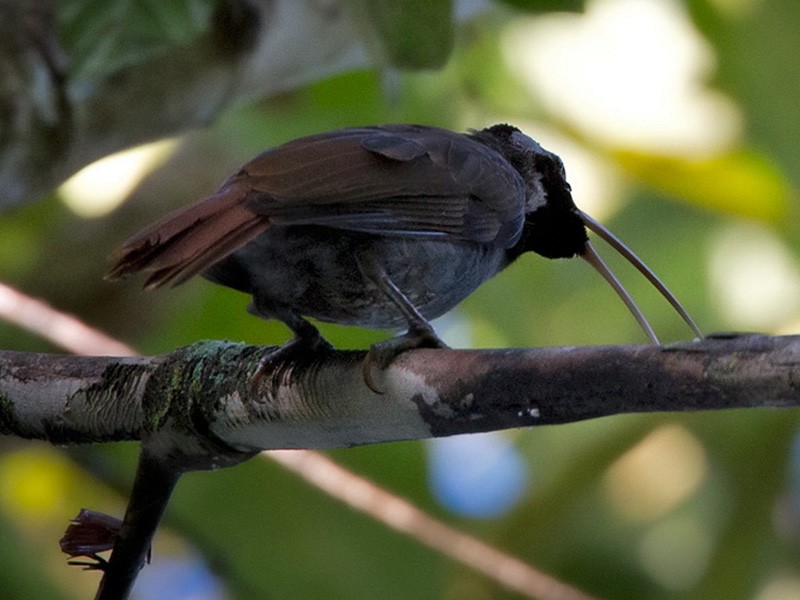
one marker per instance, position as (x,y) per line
(190,240)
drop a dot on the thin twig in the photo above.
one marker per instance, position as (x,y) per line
(57,327)
(401,515)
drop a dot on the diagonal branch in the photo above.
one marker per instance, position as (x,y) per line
(56,326)
(401,515)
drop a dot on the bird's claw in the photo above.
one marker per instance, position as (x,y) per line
(294,351)
(382,354)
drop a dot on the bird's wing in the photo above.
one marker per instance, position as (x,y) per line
(404,180)
(400,180)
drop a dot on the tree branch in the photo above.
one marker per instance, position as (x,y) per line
(196,403)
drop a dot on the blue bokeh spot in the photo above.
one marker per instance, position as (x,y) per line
(479,475)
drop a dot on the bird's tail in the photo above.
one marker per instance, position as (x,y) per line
(190,239)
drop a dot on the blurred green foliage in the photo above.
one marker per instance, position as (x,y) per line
(105,37)
(410,34)
(271,535)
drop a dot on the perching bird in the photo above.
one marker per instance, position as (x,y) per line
(383,227)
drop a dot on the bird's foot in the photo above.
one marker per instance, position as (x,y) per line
(381,354)
(295,352)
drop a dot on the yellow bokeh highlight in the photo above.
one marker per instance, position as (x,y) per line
(734,183)
(100,187)
(657,474)
(785,586)
(40,491)
(34,484)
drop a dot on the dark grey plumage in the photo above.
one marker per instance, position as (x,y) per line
(384,226)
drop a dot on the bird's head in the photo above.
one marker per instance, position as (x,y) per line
(556,228)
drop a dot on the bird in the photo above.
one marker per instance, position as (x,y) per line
(385,226)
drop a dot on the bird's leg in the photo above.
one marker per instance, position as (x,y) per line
(307,343)
(420,334)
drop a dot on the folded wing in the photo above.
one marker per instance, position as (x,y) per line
(404,180)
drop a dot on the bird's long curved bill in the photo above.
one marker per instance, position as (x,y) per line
(599,265)
(591,256)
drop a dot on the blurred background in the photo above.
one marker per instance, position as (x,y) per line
(679,126)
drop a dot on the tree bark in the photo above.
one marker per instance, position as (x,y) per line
(197,403)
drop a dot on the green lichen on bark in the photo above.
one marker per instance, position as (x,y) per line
(183,396)
(8,418)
